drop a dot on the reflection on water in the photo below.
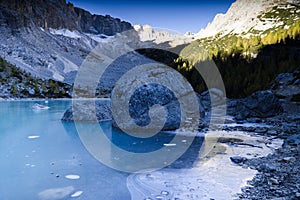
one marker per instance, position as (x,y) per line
(40,155)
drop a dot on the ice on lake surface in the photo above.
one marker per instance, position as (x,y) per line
(43,158)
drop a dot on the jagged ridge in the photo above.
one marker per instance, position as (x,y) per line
(57,14)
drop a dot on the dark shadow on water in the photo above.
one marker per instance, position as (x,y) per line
(144,145)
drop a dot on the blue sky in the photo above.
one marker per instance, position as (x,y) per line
(180,16)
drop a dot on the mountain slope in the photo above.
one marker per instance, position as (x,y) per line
(57,14)
(248,53)
(15,83)
(255,17)
(161,36)
(50,38)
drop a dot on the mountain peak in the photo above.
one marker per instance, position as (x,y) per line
(57,14)
(243,16)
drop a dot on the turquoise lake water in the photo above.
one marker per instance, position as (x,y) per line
(43,158)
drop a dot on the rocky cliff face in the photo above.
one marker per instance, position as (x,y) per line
(57,14)
(161,36)
(99,24)
(51,38)
(244,17)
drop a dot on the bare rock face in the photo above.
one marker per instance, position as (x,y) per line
(261,104)
(51,38)
(147,96)
(287,86)
(99,24)
(57,14)
(151,97)
(244,15)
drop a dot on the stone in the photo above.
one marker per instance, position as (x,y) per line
(86,112)
(237,159)
(261,130)
(274,181)
(145,102)
(249,129)
(293,140)
(287,85)
(289,159)
(267,167)
(261,104)
(272,132)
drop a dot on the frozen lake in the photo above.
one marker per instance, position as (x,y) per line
(43,158)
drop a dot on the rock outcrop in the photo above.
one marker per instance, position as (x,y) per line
(261,104)
(50,38)
(287,86)
(86,112)
(57,14)
(145,88)
(149,95)
(244,17)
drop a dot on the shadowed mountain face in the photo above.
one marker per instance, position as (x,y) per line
(50,38)
(57,14)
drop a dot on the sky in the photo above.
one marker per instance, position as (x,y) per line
(179,16)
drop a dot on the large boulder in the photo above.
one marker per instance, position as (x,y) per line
(87,111)
(261,104)
(150,95)
(287,86)
(140,98)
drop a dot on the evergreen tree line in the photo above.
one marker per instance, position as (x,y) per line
(246,64)
(19,82)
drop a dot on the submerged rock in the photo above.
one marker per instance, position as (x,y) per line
(87,112)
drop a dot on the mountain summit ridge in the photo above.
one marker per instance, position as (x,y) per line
(57,14)
(245,16)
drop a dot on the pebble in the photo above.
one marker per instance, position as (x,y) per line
(272,132)
(261,130)
(274,181)
(250,129)
(289,159)
(237,159)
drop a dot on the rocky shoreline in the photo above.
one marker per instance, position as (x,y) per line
(278,173)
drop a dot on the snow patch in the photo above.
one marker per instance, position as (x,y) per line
(58,77)
(241,17)
(100,38)
(68,65)
(158,35)
(66,33)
